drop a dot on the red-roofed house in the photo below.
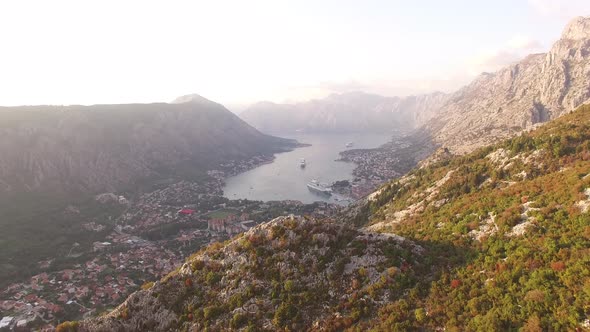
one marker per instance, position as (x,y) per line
(186,212)
(31,298)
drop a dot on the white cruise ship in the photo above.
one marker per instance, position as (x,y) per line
(319,188)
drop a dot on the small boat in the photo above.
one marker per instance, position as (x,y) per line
(317,187)
(349,144)
(302,163)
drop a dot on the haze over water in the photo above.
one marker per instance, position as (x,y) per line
(284,179)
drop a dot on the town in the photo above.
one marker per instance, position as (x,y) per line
(153,236)
(376,166)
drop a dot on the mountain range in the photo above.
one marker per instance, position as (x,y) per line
(56,158)
(89,149)
(493,239)
(539,88)
(346,112)
(494,236)
(496,105)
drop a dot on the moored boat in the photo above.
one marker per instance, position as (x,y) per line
(317,187)
(302,162)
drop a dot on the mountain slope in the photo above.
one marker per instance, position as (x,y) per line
(55,159)
(347,112)
(495,240)
(521,208)
(290,273)
(106,147)
(194,99)
(537,89)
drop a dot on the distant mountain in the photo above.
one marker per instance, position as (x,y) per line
(537,89)
(54,159)
(347,112)
(494,106)
(194,99)
(88,149)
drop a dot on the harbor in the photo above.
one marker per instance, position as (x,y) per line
(288,176)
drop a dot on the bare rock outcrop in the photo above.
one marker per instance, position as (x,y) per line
(291,272)
(539,88)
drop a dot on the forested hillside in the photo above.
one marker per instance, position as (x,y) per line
(519,210)
(54,159)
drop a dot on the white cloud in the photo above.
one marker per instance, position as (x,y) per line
(525,43)
(562,10)
(513,50)
(546,7)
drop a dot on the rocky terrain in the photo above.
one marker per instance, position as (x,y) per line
(539,88)
(519,210)
(290,273)
(347,112)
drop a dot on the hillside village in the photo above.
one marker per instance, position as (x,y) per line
(154,235)
(374,167)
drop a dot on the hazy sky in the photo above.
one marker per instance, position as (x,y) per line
(237,52)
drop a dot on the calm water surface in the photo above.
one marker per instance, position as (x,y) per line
(283,178)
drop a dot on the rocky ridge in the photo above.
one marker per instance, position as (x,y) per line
(537,89)
(495,106)
(289,273)
(347,112)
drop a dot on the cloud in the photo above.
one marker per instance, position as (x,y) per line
(512,51)
(489,62)
(545,7)
(346,86)
(560,9)
(524,43)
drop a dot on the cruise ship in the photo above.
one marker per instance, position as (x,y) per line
(319,188)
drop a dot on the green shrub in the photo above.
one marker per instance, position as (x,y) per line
(67,327)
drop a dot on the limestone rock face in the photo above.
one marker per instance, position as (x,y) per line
(290,262)
(539,88)
(578,28)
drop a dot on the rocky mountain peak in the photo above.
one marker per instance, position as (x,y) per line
(194,99)
(578,28)
(538,88)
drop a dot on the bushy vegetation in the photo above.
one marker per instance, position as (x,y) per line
(286,275)
(67,327)
(47,228)
(536,281)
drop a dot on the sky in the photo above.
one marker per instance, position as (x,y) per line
(240,52)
